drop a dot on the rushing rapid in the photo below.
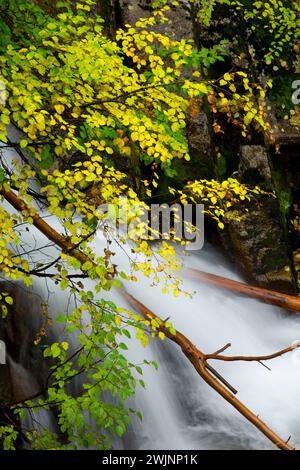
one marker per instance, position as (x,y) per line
(179,410)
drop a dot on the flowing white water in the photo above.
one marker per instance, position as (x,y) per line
(183,412)
(180,411)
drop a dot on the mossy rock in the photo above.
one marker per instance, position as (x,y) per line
(259,246)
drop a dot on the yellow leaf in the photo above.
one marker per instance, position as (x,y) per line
(203,88)
(227,77)
(59,108)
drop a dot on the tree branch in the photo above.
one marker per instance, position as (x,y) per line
(46,229)
(219,357)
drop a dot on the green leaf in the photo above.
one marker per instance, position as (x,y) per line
(117,283)
(5,119)
(64,284)
(119,430)
(51,26)
(47,157)
(9,300)
(61,319)
(142,383)
(65,345)
(2,175)
(55,350)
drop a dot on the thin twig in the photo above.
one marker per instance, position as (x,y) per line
(220,357)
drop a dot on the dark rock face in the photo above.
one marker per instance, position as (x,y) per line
(254,164)
(258,240)
(260,249)
(108,9)
(181,27)
(200,145)
(24,371)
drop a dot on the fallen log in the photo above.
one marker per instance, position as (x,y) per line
(289,302)
(199,361)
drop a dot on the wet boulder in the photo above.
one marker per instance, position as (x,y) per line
(259,247)
(254,166)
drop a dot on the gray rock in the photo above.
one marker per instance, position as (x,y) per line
(254,158)
(25,371)
(180,27)
(259,247)
(200,145)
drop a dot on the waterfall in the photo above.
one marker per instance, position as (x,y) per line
(182,412)
(179,410)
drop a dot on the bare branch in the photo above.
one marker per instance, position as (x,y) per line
(219,357)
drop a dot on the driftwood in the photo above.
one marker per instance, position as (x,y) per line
(289,302)
(194,355)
